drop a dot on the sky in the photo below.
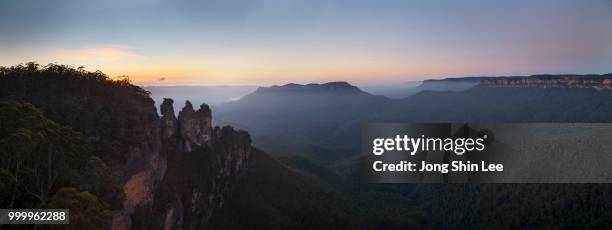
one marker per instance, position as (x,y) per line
(280,41)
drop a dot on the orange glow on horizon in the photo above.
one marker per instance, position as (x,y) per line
(171,75)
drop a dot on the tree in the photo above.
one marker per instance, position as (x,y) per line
(36,156)
(86,210)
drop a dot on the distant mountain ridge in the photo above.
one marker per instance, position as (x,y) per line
(330,87)
(595,81)
(592,81)
(333,120)
(540,76)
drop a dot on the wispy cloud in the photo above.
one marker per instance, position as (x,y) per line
(103,53)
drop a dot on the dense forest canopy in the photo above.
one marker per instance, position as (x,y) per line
(61,129)
(106,111)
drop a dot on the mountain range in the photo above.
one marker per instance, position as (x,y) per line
(73,138)
(317,132)
(329,115)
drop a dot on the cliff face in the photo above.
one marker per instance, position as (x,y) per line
(118,121)
(598,82)
(195,127)
(201,163)
(177,169)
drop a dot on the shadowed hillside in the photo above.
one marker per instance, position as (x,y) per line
(325,146)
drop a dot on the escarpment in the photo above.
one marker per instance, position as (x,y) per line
(597,82)
(202,163)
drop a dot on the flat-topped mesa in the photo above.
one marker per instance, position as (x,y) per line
(338,87)
(598,82)
(195,127)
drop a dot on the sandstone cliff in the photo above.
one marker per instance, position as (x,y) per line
(200,164)
(598,82)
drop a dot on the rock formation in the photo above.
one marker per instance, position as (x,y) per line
(201,164)
(143,168)
(169,124)
(195,127)
(598,82)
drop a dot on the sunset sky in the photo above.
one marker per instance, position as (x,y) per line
(279,41)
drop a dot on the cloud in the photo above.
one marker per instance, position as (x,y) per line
(104,53)
(162,79)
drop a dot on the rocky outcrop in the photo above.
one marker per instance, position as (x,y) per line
(195,127)
(169,124)
(202,163)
